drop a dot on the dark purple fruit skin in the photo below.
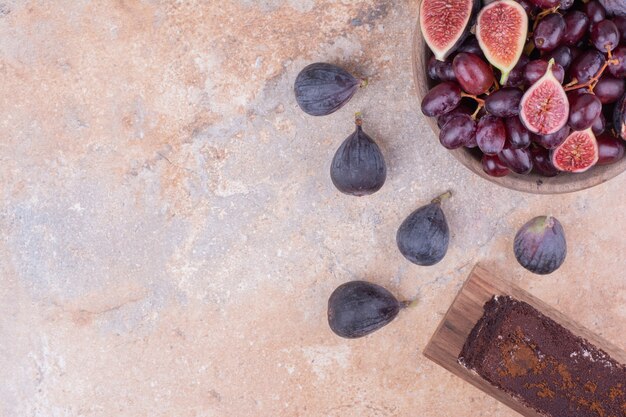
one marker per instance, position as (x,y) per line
(493,167)
(562,56)
(566,4)
(517,134)
(435,103)
(576,25)
(518,160)
(586,65)
(358,167)
(358,308)
(605,36)
(610,149)
(471,46)
(584,110)
(614,7)
(542,163)
(620,22)
(599,125)
(610,89)
(491,134)
(545,4)
(528,6)
(549,32)
(554,140)
(423,237)
(619,117)
(475,79)
(516,76)
(440,70)
(322,89)
(535,69)
(504,102)
(595,11)
(458,131)
(540,245)
(462,108)
(619,70)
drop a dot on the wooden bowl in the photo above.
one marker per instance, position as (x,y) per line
(532,183)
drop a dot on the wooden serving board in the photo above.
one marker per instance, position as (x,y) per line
(446,344)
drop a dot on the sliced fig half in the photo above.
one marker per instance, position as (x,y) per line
(445,24)
(544,108)
(578,153)
(501,29)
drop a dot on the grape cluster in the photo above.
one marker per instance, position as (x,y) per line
(588,47)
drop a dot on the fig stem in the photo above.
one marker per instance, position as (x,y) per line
(442,197)
(358,119)
(409,303)
(364,82)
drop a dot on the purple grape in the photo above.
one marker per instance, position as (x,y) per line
(562,56)
(545,4)
(517,160)
(576,26)
(549,32)
(491,134)
(537,68)
(440,70)
(620,23)
(518,135)
(474,74)
(576,52)
(566,4)
(584,110)
(554,140)
(595,11)
(610,149)
(528,6)
(471,46)
(493,166)
(504,102)
(599,125)
(618,70)
(542,163)
(586,66)
(516,76)
(609,89)
(462,108)
(605,36)
(441,99)
(458,131)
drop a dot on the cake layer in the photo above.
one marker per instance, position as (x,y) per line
(528,355)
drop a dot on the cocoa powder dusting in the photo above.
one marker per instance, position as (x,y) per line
(615,392)
(544,390)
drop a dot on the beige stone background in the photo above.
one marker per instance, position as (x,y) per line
(170,234)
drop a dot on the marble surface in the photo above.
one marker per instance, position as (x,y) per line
(170,235)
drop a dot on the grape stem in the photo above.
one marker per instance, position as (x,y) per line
(480,106)
(594,80)
(480,101)
(442,197)
(544,14)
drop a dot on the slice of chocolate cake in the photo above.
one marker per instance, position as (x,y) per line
(548,368)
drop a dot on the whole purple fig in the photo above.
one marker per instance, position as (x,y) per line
(540,245)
